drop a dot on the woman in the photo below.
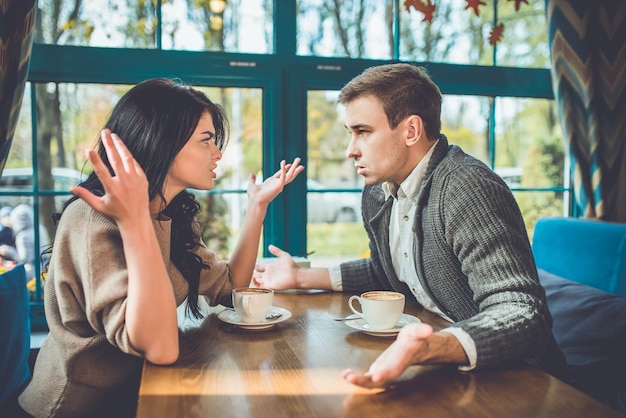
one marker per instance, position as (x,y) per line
(128,251)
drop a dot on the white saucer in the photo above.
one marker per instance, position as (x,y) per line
(232,317)
(361,324)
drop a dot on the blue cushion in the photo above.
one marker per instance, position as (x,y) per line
(586,251)
(589,326)
(14,331)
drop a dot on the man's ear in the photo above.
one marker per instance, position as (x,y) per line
(415,129)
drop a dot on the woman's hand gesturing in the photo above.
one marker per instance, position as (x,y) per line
(265,192)
(126,191)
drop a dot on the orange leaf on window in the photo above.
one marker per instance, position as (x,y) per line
(427,8)
(496,34)
(473,4)
(518,3)
(411,3)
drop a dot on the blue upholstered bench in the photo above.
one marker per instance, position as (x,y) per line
(585,251)
(14,333)
(582,267)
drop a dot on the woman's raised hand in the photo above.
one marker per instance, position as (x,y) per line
(265,192)
(126,192)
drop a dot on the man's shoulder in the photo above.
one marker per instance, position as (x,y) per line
(463,164)
(457,156)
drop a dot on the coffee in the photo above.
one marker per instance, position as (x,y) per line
(253,291)
(382,296)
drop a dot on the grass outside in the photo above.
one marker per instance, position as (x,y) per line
(339,239)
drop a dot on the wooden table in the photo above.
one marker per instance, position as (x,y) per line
(293,370)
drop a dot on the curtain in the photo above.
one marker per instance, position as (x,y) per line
(588,55)
(17,18)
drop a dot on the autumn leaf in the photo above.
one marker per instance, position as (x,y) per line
(473,4)
(518,3)
(427,8)
(409,3)
(496,34)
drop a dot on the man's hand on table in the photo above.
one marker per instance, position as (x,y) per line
(279,275)
(402,353)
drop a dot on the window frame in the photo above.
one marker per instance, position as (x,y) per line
(285,79)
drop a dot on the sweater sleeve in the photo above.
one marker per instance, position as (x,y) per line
(90,275)
(484,230)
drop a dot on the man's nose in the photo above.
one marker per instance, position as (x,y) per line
(351,148)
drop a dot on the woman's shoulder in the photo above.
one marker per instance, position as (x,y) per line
(79,213)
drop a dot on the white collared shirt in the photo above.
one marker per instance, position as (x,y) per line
(401,240)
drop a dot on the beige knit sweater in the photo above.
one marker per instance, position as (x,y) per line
(86,366)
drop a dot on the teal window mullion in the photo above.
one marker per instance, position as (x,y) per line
(492,132)
(495,22)
(285,35)
(35,182)
(159,26)
(396,30)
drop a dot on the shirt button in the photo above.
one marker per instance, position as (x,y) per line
(406,255)
(406,218)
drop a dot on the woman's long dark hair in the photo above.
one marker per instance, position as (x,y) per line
(155,119)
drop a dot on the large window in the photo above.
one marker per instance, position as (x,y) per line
(378,30)
(277,67)
(213,25)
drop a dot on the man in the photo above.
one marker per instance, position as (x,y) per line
(444,229)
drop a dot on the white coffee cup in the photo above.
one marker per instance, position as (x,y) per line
(252,304)
(381,309)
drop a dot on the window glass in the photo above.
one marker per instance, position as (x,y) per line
(219,25)
(529,153)
(465,122)
(215,25)
(335,231)
(347,28)
(21,151)
(454,35)
(529,144)
(524,41)
(457,35)
(17,173)
(101,23)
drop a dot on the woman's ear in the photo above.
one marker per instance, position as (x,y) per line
(415,130)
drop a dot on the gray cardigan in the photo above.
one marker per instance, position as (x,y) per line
(473,257)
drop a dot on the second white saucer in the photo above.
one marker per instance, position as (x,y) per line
(361,324)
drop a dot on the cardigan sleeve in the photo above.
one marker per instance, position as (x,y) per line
(485,236)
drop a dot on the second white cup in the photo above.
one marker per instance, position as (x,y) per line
(381,309)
